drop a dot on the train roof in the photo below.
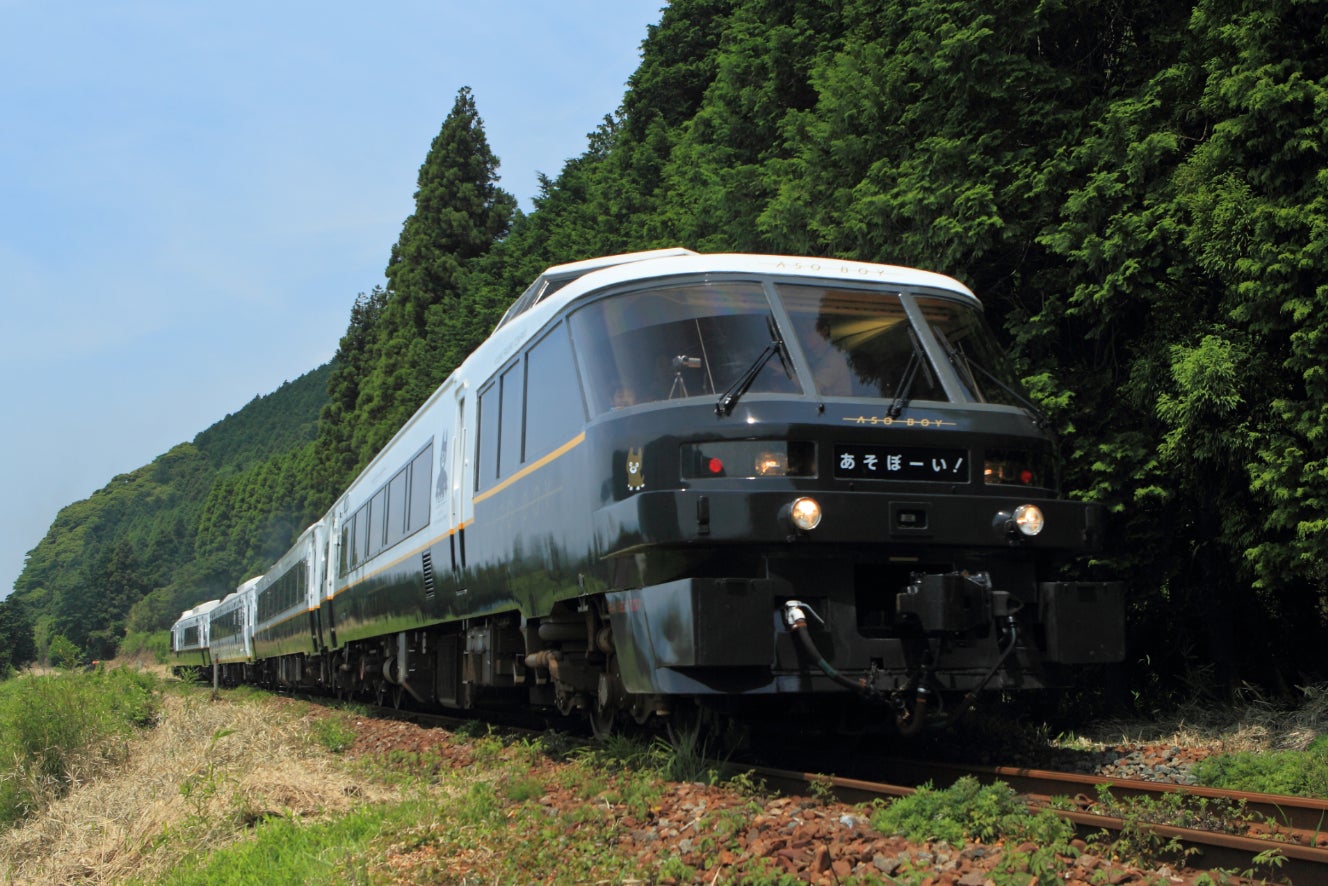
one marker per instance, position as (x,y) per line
(200,609)
(563,284)
(558,276)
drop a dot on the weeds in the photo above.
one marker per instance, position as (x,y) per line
(1139,843)
(59,729)
(333,734)
(966,811)
(200,787)
(1294,773)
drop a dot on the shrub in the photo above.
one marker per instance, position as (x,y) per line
(63,653)
(56,728)
(156,644)
(1294,773)
(966,811)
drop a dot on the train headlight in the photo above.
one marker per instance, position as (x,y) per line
(805,514)
(1028,520)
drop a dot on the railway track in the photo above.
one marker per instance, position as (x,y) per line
(1280,838)
(1283,838)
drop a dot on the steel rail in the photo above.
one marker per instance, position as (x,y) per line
(1203,849)
(1301,814)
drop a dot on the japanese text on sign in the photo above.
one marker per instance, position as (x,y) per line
(872,462)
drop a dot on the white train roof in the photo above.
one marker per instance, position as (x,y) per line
(200,608)
(562,284)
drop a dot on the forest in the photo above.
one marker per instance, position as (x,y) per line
(1138,193)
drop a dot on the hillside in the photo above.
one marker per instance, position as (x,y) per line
(127,557)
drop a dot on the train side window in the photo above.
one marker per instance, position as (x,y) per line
(362,523)
(421,482)
(347,553)
(378,522)
(486,438)
(396,508)
(509,445)
(554,411)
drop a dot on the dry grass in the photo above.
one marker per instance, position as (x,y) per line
(183,787)
(1253,723)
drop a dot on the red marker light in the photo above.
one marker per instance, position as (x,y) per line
(715,466)
(1026,476)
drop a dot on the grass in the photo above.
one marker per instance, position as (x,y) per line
(209,773)
(968,810)
(1300,773)
(246,788)
(57,729)
(285,850)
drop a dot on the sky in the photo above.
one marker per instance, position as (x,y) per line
(192,194)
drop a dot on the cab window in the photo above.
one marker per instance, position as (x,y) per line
(677,342)
(859,343)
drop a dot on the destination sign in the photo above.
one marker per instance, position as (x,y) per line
(875,462)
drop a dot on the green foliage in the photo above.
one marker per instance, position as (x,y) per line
(64,654)
(1138,843)
(142,549)
(969,811)
(282,850)
(1137,193)
(1294,773)
(16,644)
(333,734)
(156,644)
(55,730)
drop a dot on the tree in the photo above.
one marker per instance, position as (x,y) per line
(459,211)
(403,339)
(16,644)
(64,653)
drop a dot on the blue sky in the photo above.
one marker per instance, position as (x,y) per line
(192,195)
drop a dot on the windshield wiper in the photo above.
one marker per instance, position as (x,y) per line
(778,341)
(964,365)
(729,398)
(916,360)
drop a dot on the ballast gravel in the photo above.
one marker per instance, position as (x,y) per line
(724,834)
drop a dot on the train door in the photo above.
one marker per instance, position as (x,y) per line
(331,571)
(461,498)
(316,557)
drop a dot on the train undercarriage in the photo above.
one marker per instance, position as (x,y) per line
(744,646)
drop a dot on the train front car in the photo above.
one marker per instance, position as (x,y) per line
(820,482)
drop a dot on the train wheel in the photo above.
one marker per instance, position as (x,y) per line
(603,719)
(609,696)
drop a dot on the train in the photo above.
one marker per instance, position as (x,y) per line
(673,485)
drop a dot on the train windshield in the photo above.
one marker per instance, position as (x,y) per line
(706,339)
(859,343)
(674,342)
(977,360)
